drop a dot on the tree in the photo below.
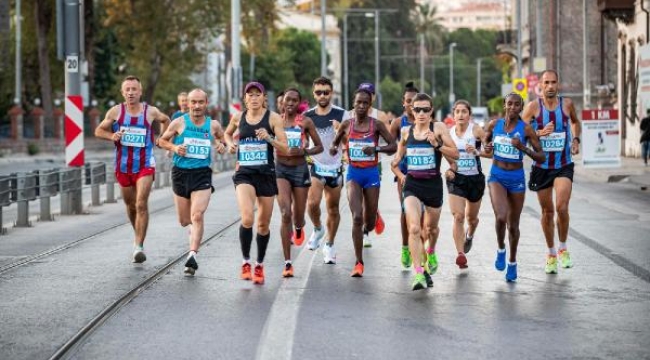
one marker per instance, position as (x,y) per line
(42,17)
(425,18)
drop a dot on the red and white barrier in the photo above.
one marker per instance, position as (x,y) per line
(74,133)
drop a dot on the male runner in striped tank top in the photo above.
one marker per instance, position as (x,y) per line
(558,127)
(129,126)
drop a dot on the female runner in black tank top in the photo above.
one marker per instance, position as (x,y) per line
(255,173)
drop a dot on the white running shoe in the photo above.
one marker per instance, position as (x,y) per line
(329,254)
(138,256)
(316,238)
(366,241)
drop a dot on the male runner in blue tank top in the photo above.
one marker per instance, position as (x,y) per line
(404,122)
(558,127)
(190,139)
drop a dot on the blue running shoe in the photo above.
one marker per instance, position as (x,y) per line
(511,273)
(500,262)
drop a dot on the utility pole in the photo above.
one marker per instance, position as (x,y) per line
(323,43)
(377,79)
(18,92)
(539,49)
(422,62)
(346,92)
(585,68)
(519,61)
(236,72)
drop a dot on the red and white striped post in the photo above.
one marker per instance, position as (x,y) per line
(74,134)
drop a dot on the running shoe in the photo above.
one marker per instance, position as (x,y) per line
(551,264)
(367,243)
(406,257)
(138,255)
(191,266)
(500,262)
(358,270)
(258,274)
(432,262)
(461,261)
(468,244)
(419,282)
(511,273)
(298,240)
(329,254)
(428,278)
(246,272)
(287,272)
(315,239)
(565,259)
(380,225)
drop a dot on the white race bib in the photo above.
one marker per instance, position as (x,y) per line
(355,147)
(253,153)
(294,137)
(133,136)
(466,163)
(197,148)
(503,148)
(420,158)
(553,142)
(325,172)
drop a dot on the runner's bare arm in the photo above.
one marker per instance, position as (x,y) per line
(536,153)
(105,128)
(341,132)
(448,149)
(395,127)
(479,134)
(159,116)
(280,140)
(230,130)
(217,133)
(576,125)
(530,111)
(391,147)
(175,128)
(399,155)
(310,129)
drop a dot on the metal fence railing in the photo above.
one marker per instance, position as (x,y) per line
(21,188)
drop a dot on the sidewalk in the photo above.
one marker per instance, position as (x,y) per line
(631,171)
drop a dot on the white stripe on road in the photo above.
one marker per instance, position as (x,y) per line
(278,333)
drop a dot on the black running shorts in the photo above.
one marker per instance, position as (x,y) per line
(428,191)
(186,181)
(541,179)
(264,184)
(470,187)
(297,176)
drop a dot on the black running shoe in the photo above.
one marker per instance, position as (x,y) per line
(191,266)
(468,244)
(428,278)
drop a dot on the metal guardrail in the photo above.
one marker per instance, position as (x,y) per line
(67,183)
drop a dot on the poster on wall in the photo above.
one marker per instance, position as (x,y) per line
(644,81)
(601,142)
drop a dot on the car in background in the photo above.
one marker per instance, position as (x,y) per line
(480,116)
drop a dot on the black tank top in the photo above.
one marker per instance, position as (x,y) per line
(254,155)
(422,159)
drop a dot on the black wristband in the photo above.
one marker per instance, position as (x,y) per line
(438,147)
(577,138)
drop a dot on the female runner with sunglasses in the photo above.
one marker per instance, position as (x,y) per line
(507,182)
(423,145)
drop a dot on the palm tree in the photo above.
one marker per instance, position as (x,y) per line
(425,18)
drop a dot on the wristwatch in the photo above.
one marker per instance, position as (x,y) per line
(577,138)
(377,148)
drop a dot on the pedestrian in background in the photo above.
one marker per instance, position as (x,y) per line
(645,137)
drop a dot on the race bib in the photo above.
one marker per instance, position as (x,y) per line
(553,142)
(355,147)
(466,163)
(253,153)
(420,158)
(133,136)
(325,172)
(503,148)
(294,137)
(197,148)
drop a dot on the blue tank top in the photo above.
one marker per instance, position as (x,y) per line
(502,140)
(404,123)
(199,145)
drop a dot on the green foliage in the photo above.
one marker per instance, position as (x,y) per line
(33,149)
(391,91)
(495,106)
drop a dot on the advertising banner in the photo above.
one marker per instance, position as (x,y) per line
(601,142)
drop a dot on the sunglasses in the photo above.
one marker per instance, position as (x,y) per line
(321,92)
(417,110)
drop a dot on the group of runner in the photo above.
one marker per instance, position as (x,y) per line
(298,158)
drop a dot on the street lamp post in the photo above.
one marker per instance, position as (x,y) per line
(323,52)
(452,96)
(377,59)
(345,62)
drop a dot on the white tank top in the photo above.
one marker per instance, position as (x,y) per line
(467,162)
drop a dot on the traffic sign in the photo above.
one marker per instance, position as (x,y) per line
(520,86)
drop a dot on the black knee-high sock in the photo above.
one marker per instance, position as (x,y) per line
(262,243)
(246,239)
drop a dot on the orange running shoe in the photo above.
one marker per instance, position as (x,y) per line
(379,224)
(246,272)
(358,270)
(298,240)
(258,275)
(288,271)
